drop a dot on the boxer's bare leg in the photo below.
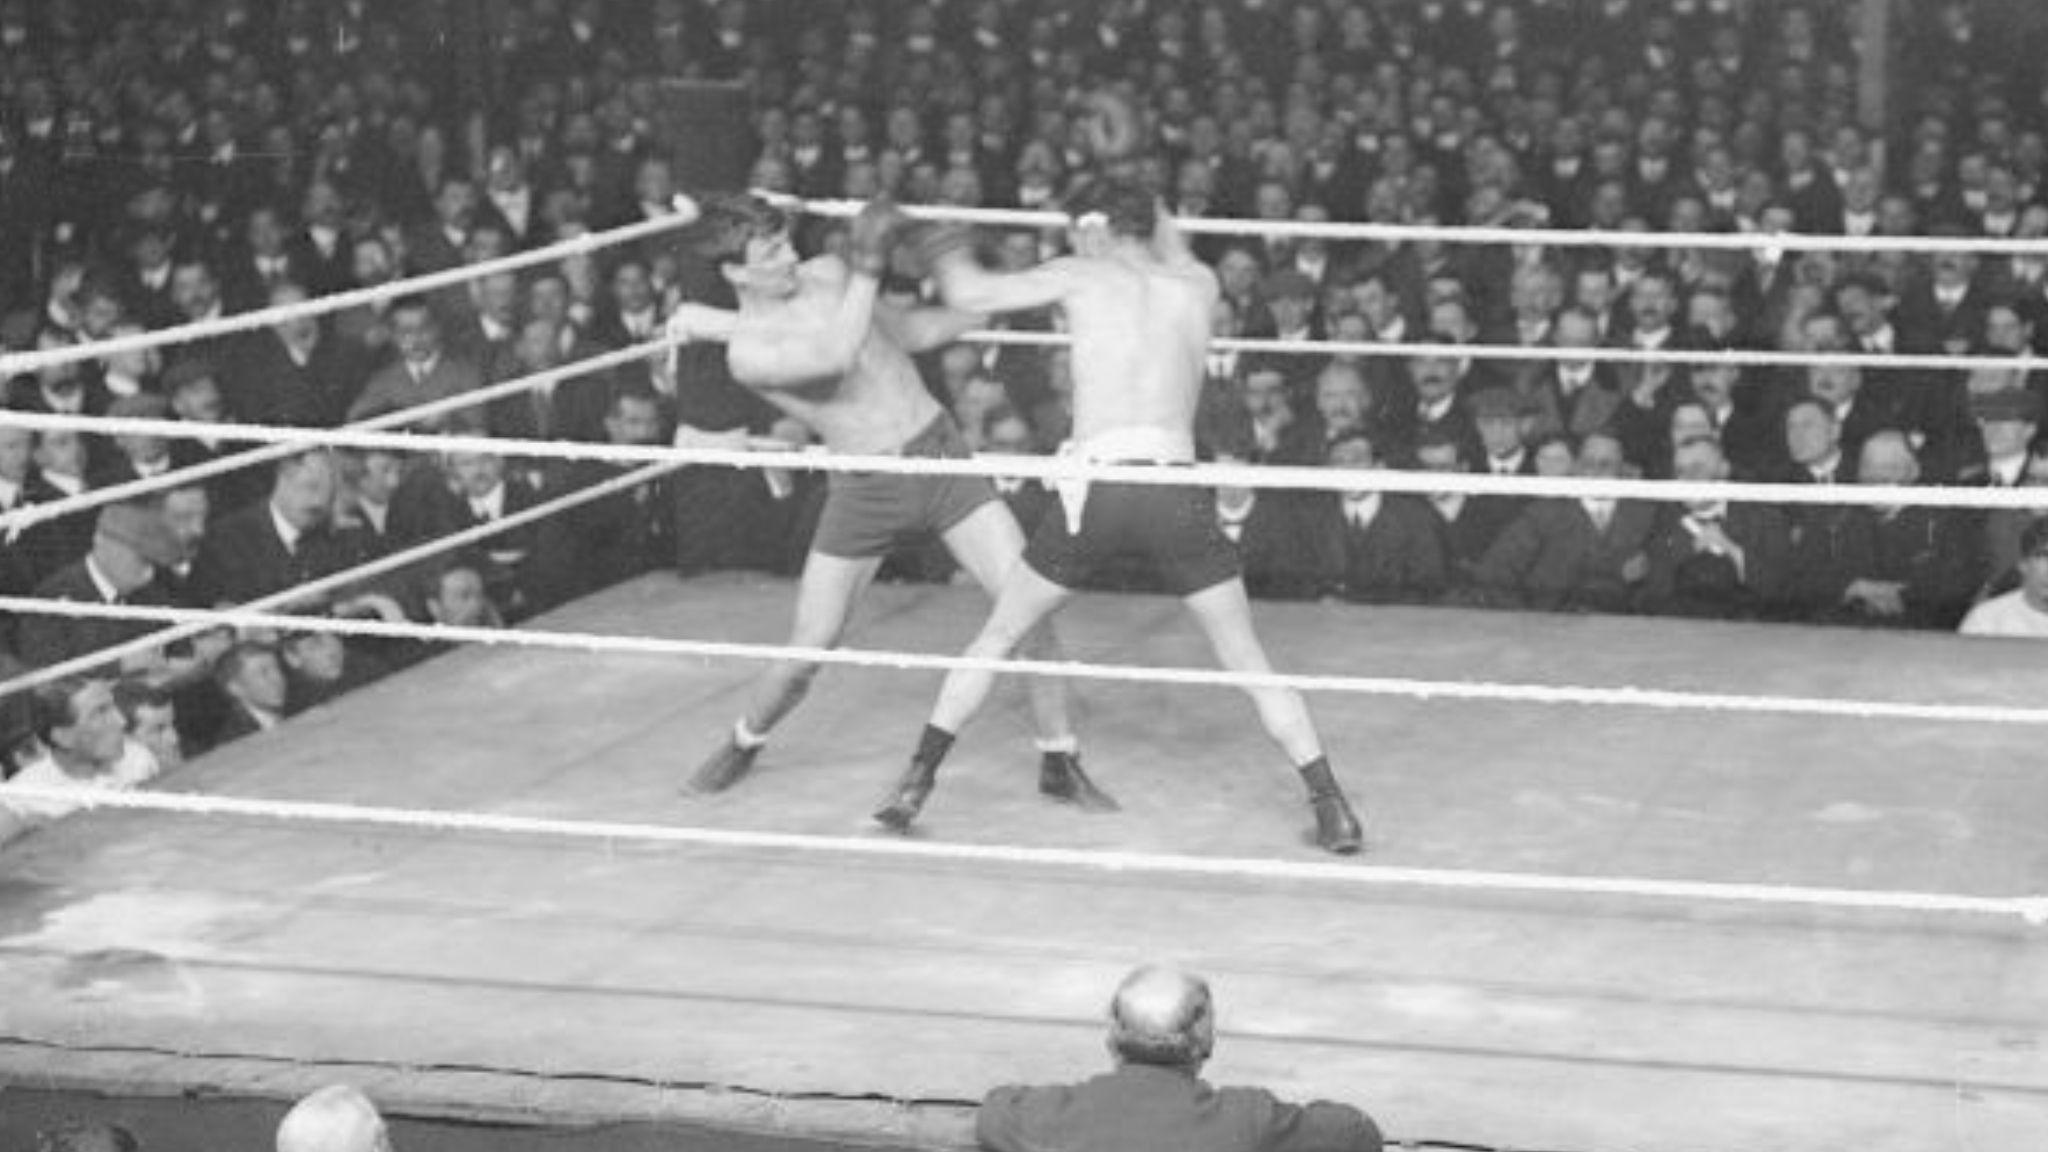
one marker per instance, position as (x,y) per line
(825,596)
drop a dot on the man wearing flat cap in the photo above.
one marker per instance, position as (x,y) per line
(1161,1031)
(130,542)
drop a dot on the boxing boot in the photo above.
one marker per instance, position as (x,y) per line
(1337,827)
(1060,777)
(901,806)
(723,769)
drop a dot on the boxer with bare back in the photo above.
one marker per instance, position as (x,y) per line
(813,338)
(1137,305)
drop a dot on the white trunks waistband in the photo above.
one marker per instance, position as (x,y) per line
(1119,446)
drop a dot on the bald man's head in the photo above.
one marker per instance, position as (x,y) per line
(1888,458)
(1162,1016)
(337,1118)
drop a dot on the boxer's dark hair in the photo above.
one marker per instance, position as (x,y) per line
(1129,207)
(720,234)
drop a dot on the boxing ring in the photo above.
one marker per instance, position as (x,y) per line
(1629,883)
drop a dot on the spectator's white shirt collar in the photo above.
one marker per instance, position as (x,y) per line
(1572,377)
(64,482)
(100,582)
(1950,295)
(1506,465)
(1825,470)
(1434,410)
(421,369)
(286,532)
(1653,339)
(491,505)
(377,514)
(1395,332)
(2009,471)
(10,492)
(1362,508)
(1450,504)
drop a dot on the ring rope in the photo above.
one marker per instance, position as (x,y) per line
(1053,468)
(1470,234)
(2032,909)
(348,576)
(18,363)
(259,615)
(284,441)
(1733,357)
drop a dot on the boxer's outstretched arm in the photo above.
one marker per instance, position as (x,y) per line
(968,286)
(917,330)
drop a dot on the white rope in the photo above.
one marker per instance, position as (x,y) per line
(1048,468)
(1734,357)
(17,363)
(287,441)
(2033,910)
(202,621)
(1408,688)
(1790,242)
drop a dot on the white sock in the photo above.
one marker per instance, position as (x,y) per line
(1070,745)
(746,738)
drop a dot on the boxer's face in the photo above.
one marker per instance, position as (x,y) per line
(770,268)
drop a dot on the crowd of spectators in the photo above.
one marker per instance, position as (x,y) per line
(169,161)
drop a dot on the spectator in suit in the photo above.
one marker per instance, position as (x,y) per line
(458,597)
(2022,612)
(1503,420)
(2008,420)
(1437,413)
(279,543)
(1389,544)
(1345,406)
(2004,527)
(1861,407)
(129,545)
(1813,444)
(337,1118)
(425,371)
(136,455)
(265,262)
(371,481)
(1749,435)
(60,471)
(251,677)
(1573,398)
(1162,1031)
(1714,558)
(1885,566)
(1562,555)
(318,667)
(599,544)
(59,389)
(489,323)
(1467,525)
(290,373)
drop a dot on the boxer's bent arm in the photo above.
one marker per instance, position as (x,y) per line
(814,352)
(917,330)
(968,286)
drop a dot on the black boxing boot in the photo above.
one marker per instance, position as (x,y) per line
(1337,827)
(901,806)
(1060,777)
(733,760)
